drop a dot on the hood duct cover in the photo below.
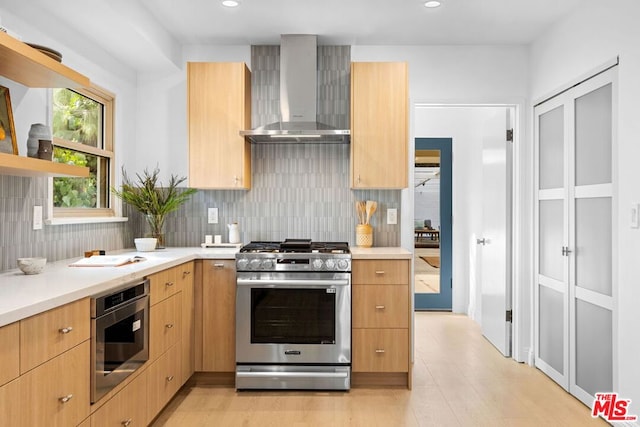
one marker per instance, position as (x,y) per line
(298,98)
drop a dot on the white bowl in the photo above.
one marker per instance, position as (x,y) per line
(31,265)
(146,244)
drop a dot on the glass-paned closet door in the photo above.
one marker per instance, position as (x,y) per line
(552,349)
(591,270)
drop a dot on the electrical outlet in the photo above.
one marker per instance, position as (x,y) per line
(37,217)
(392,216)
(212,215)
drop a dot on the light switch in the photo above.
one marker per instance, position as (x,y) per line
(635,215)
(212,215)
(37,217)
(392,216)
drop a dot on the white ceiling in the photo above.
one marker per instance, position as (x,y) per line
(148,34)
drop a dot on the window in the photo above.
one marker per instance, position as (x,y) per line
(83,135)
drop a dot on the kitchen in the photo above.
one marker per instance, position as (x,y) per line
(464,73)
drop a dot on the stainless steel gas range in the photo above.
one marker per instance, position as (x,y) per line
(293,315)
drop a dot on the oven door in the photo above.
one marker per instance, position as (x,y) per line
(119,344)
(293,318)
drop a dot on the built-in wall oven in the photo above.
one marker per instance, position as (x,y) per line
(119,335)
(293,316)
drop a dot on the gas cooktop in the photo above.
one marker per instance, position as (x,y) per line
(297,246)
(294,255)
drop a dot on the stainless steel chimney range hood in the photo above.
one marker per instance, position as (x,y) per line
(298,99)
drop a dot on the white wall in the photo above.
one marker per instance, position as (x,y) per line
(592,35)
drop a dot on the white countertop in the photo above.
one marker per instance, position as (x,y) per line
(380,253)
(24,295)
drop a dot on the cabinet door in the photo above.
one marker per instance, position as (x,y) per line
(219,107)
(56,393)
(127,408)
(48,334)
(219,321)
(379,125)
(9,352)
(380,350)
(10,404)
(165,320)
(164,380)
(187,336)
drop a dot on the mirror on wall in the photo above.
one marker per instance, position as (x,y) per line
(427,221)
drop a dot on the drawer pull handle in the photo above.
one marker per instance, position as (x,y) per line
(169,325)
(170,378)
(66,398)
(65,330)
(185,273)
(379,271)
(218,265)
(380,307)
(168,284)
(126,423)
(380,350)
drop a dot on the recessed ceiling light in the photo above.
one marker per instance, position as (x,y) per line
(230,3)
(432,3)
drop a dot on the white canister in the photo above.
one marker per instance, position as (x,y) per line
(234,233)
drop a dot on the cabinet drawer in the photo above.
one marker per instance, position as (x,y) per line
(164,284)
(56,393)
(380,350)
(184,274)
(380,272)
(165,320)
(9,352)
(47,335)
(380,306)
(128,407)
(164,380)
(10,408)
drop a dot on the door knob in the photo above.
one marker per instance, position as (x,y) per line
(482,241)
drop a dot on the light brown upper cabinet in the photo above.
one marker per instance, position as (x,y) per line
(379,125)
(219,106)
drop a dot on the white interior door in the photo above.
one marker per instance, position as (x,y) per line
(494,244)
(575,291)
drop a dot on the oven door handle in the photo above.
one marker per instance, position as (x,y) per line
(267,283)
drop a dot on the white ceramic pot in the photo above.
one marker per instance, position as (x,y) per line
(37,132)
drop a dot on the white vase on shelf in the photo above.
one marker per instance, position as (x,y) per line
(37,132)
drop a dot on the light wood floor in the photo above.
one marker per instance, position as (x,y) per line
(459,380)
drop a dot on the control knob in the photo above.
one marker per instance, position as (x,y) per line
(343,264)
(331,264)
(242,263)
(254,264)
(317,264)
(267,264)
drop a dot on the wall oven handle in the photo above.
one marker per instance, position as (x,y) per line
(292,374)
(296,283)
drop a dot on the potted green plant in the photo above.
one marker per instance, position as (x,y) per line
(148,196)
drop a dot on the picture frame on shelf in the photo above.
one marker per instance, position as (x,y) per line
(8,143)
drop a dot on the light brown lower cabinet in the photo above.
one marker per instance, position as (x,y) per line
(127,408)
(216,316)
(165,320)
(10,405)
(56,393)
(164,380)
(380,350)
(9,352)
